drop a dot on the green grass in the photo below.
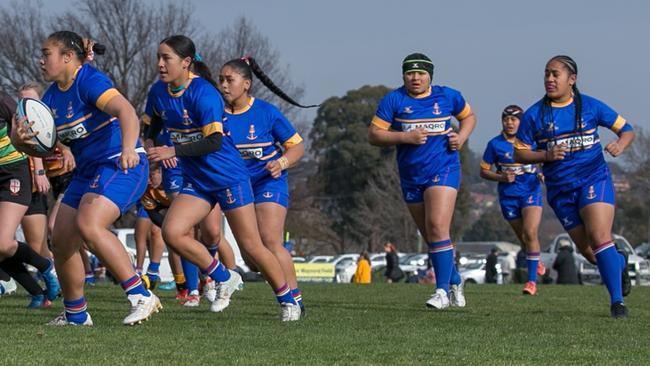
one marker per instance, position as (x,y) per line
(346,324)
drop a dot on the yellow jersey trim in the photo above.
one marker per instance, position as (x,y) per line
(420,96)
(67,86)
(521,146)
(485,165)
(11,157)
(75,122)
(178,94)
(380,123)
(439,119)
(247,146)
(466,112)
(618,124)
(214,127)
(244,109)
(562,104)
(146,119)
(292,141)
(106,97)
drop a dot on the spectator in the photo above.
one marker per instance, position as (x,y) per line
(363,274)
(565,264)
(491,266)
(393,272)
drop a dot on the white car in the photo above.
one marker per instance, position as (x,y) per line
(320,259)
(345,266)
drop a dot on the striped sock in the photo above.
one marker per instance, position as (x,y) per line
(609,265)
(179,279)
(217,271)
(441,254)
(191,272)
(138,271)
(532,261)
(283,294)
(213,249)
(75,310)
(134,286)
(297,295)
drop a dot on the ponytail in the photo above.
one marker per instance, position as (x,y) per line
(246,66)
(201,69)
(84,48)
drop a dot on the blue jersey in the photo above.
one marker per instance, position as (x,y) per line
(398,111)
(93,135)
(258,130)
(499,152)
(189,115)
(584,162)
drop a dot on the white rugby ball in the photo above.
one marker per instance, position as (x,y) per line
(41,115)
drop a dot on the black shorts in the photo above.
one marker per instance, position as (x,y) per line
(60,183)
(16,183)
(38,205)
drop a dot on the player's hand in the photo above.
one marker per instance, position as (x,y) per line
(160,153)
(540,177)
(417,136)
(129,159)
(68,159)
(41,183)
(20,133)
(274,168)
(148,144)
(557,152)
(170,163)
(614,149)
(454,141)
(507,176)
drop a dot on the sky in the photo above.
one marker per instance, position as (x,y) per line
(494,52)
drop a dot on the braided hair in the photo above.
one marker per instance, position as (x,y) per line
(572,67)
(247,66)
(71,41)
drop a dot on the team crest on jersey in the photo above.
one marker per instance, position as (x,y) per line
(267,194)
(14,187)
(70,113)
(436,179)
(251,133)
(590,194)
(186,118)
(530,199)
(408,110)
(230,199)
(436,109)
(95,182)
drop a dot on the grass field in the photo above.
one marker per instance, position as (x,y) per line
(346,324)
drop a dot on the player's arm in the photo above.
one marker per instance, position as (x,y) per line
(117,106)
(383,137)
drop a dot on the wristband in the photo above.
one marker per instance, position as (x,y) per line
(284,163)
(40,172)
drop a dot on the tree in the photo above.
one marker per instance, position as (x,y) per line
(491,227)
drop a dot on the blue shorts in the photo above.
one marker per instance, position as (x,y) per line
(269,189)
(108,179)
(237,195)
(172,179)
(414,193)
(142,213)
(567,205)
(511,207)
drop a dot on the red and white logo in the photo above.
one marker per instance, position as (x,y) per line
(14,187)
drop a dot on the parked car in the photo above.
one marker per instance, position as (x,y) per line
(638,268)
(472,269)
(345,265)
(320,259)
(643,250)
(412,263)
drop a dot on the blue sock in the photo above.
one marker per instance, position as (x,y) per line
(191,272)
(153,270)
(532,262)
(134,286)
(455,276)
(283,294)
(610,267)
(297,295)
(217,271)
(213,250)
(75,310)
(441,254)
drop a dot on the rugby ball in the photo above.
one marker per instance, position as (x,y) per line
(41,115)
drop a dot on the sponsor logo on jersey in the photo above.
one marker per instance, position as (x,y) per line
(573,142)
(434,127)
(251,153)
(72,133)
(185,137)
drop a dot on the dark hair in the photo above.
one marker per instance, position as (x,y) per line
(184,47)
(572,68)
(363,255)
(71,41)
(247,66)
